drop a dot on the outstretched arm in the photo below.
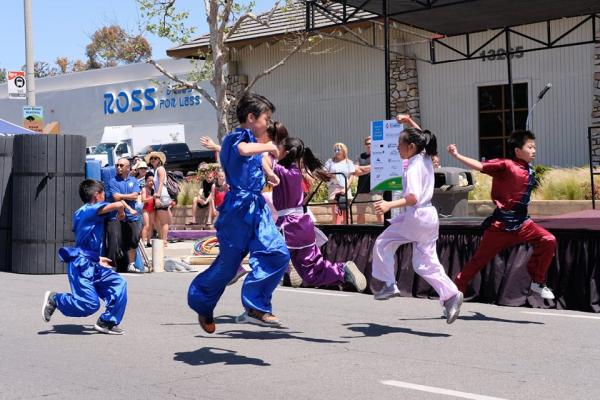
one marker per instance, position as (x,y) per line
(251,149)
(382,206)
(405,119)
(469,162)
(272,178)
(207,142)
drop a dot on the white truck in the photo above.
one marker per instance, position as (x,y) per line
(128,140)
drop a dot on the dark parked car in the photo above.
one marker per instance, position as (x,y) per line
(180,157)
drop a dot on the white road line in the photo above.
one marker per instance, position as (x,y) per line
(447,392)
(320,292)
(559,315)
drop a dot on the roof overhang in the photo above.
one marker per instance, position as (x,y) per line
(455,17)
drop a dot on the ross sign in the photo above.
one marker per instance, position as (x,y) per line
(33,118)
(149,99)
(17,85)
(386,164)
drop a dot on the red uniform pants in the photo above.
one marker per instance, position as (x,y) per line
(494,240)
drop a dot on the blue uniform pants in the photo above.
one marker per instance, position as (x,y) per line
(269,259)
(90,284)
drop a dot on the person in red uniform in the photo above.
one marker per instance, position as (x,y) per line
(509,225)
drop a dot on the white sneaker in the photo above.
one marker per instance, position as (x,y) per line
(295,278)
(452,307)
(131,268)
(542,290)
(387,292)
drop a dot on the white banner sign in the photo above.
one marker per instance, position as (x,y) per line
(17,85)
(386,164)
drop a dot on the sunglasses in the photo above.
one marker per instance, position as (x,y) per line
(121,165)
(154,158)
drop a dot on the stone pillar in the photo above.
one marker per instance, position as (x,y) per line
(235,84)
(404,86)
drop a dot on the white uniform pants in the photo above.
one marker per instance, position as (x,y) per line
(420,227)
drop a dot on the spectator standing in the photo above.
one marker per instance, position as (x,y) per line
(148,209)
(141,169)
(123,235)
(202,203)
(363,188)
(162,200)
(340,192)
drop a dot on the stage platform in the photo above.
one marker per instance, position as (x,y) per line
(574,274)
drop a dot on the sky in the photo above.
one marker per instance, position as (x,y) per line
(64,27)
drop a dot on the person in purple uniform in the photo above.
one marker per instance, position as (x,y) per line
(298,227)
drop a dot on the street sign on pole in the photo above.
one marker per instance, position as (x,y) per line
(17,85)
(33,118)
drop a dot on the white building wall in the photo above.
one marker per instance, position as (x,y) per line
(323,97)
(449,104)
(76,101)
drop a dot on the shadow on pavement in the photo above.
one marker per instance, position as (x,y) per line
(272,335)
(375,330)
(477,316)
(214,355)
(69,329)
(223,319)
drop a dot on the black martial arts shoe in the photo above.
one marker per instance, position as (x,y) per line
(48,306)
(207,323)
(108,328)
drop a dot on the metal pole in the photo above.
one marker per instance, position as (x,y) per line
(387,195)
(386,47)
(29,54)
(511,94)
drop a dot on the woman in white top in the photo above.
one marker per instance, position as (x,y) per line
(162,200)
(342,169)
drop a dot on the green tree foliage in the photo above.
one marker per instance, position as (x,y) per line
(112,45)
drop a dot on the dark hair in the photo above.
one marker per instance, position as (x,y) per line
(252,103)
(422,139)
(149,175)
(277,132)
(303,156)
(517,140)
(88,188)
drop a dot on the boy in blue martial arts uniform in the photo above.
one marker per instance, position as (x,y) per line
(245,224)
(90,275)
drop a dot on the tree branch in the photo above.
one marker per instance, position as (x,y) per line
(279,64)
(189,85)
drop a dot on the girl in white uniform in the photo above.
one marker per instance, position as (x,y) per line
(417,224)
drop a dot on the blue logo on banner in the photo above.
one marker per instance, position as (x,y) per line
(377,129)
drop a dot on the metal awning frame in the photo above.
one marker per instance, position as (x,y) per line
(348,12)
(547,44)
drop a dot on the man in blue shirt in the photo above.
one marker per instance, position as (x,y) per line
(123,236)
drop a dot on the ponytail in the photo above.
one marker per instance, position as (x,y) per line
(314,166)
(423,140)
(430,143)
(303,157)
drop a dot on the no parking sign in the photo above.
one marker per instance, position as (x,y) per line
(17,85)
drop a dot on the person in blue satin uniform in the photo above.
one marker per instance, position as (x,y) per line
(90,275)
(245,225)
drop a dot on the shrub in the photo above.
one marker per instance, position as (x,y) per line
(565,184)
(187,191)
(483,187)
